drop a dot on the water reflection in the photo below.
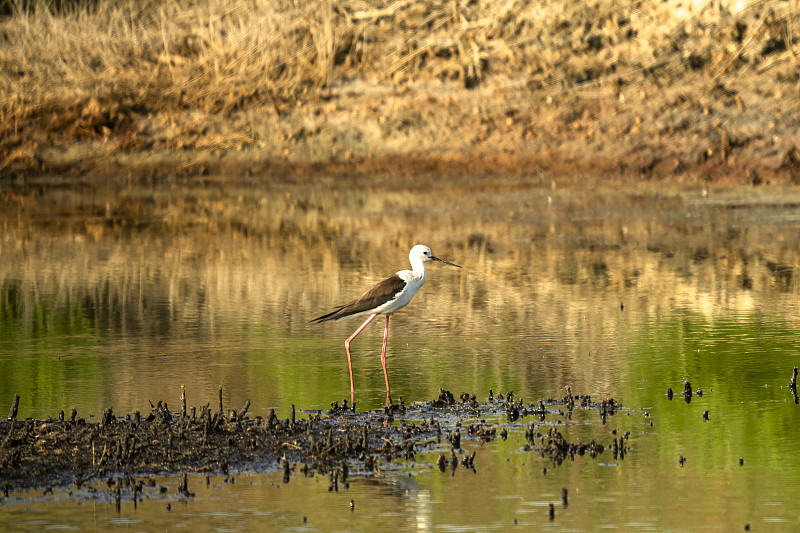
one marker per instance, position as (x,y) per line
(555,281)
(612,293)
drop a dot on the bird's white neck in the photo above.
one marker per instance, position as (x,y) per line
(417,265)
(418,271)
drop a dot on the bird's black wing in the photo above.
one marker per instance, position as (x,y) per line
(385,291)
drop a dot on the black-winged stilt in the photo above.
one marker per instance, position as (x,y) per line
(384,298)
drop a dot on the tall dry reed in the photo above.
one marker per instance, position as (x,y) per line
(220,55)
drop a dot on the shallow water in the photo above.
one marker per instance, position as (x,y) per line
(614,294)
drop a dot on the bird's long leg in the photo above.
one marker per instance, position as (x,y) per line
(349,361)
(383,361)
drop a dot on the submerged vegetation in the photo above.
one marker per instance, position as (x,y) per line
(645,88)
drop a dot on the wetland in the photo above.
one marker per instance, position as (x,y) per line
(185,185)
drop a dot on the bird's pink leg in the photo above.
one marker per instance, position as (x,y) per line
(383,361)
(349,361)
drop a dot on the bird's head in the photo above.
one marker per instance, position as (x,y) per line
(424,254)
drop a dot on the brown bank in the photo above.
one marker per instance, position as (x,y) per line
(642,90)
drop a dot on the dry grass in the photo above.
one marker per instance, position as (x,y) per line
(155,57)
(102,71)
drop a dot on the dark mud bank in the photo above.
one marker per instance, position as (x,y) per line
(71,451)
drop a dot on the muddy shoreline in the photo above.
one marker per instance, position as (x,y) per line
(70,451)
(680,134)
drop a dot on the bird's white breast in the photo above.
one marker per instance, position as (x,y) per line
(413,282)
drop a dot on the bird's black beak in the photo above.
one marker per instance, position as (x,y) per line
(445,262)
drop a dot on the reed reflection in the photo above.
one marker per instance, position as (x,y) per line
(554,282)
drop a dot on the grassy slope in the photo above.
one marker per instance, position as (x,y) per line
(643,88)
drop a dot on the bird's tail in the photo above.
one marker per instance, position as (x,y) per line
(330,316)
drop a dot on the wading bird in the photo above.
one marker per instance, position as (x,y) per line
(386,297)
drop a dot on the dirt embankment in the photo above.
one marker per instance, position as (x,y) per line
(648,90)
